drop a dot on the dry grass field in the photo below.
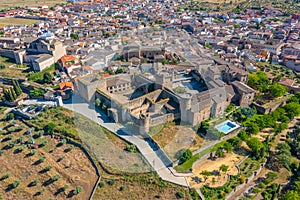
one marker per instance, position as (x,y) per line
(16,21)
(30,3)
(173,138)
(105,146)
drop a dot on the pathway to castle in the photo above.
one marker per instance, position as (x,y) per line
(152,153)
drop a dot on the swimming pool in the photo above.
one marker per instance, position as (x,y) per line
(227,126)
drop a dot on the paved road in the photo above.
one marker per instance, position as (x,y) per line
(151,153)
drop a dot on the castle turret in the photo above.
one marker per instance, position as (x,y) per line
(185,106)
(144,123)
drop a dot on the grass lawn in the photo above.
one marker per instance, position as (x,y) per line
(187,165)
(31,3)
(16,21)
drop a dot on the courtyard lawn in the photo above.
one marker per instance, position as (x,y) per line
(187,165)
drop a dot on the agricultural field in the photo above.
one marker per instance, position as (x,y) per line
(16,21)
(30,3)
(173,138)
(51,168)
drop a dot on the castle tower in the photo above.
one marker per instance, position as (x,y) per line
(185,106)
(144,123)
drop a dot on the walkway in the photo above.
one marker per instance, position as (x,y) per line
(152,154)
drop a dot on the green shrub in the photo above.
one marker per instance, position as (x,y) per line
(42,159)
(131,148)
(77,190)
(185,156)
(32,152)
(35,182)
(16,183)
(122,188)
(5,176)
(55,177)
(111,182)
(179,195)
(101,184)
(65,187)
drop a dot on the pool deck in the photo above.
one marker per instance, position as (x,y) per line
(230,130)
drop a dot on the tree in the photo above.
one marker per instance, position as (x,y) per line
(224,168)
(10,116)
(35,182)
(204,126)
(236,142)
(292,109)
(277,90)
(259,81)
(220,152)
(2,66)
(55,177)
(74,36)
(17,87)
(255,145)
(248,112)
(77,190)
(164,62)
(65,187)
(15,184)
(5,176)
(284,155)
(207,45)
(48,77)
(253,128)
(228,147)
(37,92)
(187,154)
(291,195)
(49,128)
(47,168)
(13,94)
(97,102)
(131,148)
(179,195)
